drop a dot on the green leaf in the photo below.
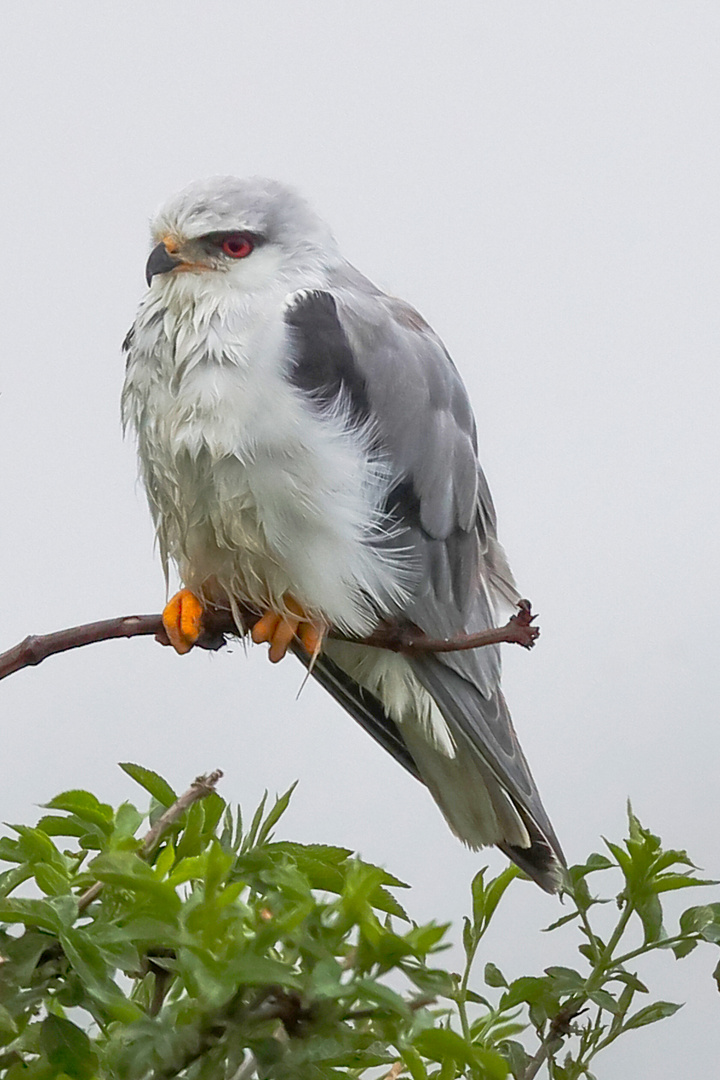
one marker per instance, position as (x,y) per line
(441,1043)
(251,835)
(68,1048)
(649,909)
(623,859)
(51,881)
(527,988)
(190,842)
(151,781)
(565,980)
(127,821)
(697,918)
(414,1063)
(468,937)
(561,922)
(516,1055)
(251,970)
(85,806)
(39,913)
(631,980)
(61,826)
(281,805)
(477,890)
(650,1014)
(494,977)
(94,972)
(8,1027)
(126,870)
(496,889)
(668,882)
(684,948)
(605,1001)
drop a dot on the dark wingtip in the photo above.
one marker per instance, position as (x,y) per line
(540,863)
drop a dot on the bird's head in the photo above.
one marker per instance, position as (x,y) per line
(243,232)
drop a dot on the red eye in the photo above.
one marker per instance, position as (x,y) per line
(237,246)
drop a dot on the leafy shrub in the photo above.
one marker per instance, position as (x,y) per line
(212,950)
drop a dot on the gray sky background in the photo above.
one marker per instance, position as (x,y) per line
(541,180)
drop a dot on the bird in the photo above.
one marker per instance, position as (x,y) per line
(309,451)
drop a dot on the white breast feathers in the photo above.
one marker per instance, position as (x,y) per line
(255,491)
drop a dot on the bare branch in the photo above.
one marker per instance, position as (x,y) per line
(559,1029)
(218,624)
(200,788)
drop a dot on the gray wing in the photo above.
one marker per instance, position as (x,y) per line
(397,375)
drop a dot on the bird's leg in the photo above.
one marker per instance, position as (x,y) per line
(280,629)
(182,619)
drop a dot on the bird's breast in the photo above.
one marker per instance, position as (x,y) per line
(250,484)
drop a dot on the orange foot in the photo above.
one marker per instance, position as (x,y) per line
(182,619)
(280,630)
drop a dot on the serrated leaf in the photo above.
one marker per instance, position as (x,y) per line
(151,781)
(38,913)
(85,806)
(668,882)
(36,845)
(382,900)
(650,1014)
(61,826)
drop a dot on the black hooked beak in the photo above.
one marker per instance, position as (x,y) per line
(160,262)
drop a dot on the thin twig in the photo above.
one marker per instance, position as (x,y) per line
(200,788)
(559,1030)
(219,624)
(395,1071)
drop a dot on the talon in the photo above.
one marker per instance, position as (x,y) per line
(311,635)
(182,619)
(265,627)
(286,631)
(279,630)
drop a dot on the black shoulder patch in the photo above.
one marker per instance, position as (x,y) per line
(323,364)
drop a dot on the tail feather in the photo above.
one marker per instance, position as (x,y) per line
(482,783)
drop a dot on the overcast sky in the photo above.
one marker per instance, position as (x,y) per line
(541,180)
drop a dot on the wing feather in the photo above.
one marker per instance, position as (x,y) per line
(397,375)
